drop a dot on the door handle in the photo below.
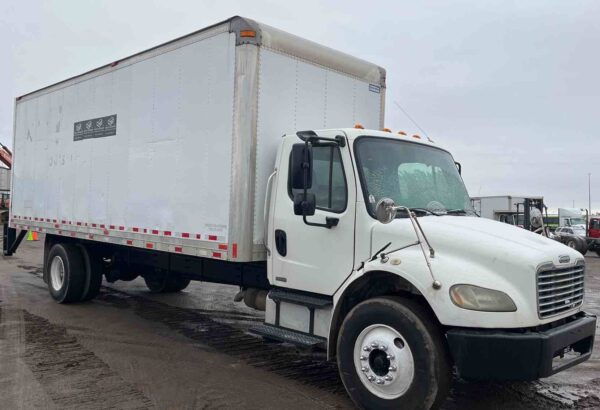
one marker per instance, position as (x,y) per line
(281,242)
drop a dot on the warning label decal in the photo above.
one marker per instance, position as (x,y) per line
(95,128)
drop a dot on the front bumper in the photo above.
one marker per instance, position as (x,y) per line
(522,354)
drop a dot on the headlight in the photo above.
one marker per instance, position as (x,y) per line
(476,298)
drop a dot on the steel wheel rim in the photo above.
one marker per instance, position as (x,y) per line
(371,345)
(57,273)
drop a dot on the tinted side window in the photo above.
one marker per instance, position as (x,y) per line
(329,181)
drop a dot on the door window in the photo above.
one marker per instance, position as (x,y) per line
(328,179)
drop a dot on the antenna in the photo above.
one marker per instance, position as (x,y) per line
(410,118)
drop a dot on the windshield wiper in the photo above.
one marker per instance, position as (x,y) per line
(457,212)
(420,211)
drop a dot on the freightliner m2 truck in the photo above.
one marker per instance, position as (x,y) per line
(356,240)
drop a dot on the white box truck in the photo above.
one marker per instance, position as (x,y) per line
(356,240)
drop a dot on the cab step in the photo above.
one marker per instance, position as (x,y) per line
(300,298)
(287,335)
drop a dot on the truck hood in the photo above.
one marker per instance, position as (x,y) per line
(478,239)
(476,251)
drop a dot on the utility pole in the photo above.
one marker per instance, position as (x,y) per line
(590,192)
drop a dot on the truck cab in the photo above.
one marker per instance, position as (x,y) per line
(375,252)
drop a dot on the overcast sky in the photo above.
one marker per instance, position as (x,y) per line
(511,88)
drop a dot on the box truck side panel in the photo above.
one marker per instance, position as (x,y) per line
(164,162)
(305,96)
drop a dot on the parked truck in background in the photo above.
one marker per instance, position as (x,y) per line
(572,217)
(356,240)
(585,225)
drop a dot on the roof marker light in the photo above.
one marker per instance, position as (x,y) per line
(416,136)
(401,133)
(247,33)
(359,126)
(387,130)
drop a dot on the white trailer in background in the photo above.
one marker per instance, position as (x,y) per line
(503,208)
(253,192)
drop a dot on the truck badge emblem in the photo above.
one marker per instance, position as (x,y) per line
(111,121)
(88,125)
(99,123)
(564,259)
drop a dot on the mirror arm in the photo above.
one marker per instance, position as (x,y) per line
(311,136)
(329,222)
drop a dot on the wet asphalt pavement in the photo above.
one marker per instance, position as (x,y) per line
(135,350)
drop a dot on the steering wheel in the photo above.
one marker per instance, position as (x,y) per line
(435,206)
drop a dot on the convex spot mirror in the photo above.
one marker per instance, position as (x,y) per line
(304,205)
(385,210)
(301,166)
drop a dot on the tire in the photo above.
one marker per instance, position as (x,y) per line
(411,351)
(598,253)
(66,273)
(583,246)
(93,274)
(165,283)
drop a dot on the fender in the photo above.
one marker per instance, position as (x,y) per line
(364,286)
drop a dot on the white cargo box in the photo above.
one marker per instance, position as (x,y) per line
(170,149)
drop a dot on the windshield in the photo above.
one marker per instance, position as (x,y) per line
(577,221)
(413,175)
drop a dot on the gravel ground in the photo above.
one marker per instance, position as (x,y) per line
(132,349)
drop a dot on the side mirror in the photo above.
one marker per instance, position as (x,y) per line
(385,210)
(301,166)
(305,206)
(459,167)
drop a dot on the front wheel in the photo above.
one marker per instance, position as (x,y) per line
(391,355)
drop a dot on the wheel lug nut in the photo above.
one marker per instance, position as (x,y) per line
(383,347)
(392,368)
(390,357)
(371,378)
(379,381)
(363,357)
(367,348)
(364,369)
(374,345)
(388,378)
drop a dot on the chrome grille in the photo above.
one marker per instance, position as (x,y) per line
(559,289)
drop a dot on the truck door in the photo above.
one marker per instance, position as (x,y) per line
(314,258)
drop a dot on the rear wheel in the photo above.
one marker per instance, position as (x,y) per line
(391,355)
(158,283)
(93,274)
(66,273)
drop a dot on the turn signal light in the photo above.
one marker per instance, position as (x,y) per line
(359,126)
(247,33)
